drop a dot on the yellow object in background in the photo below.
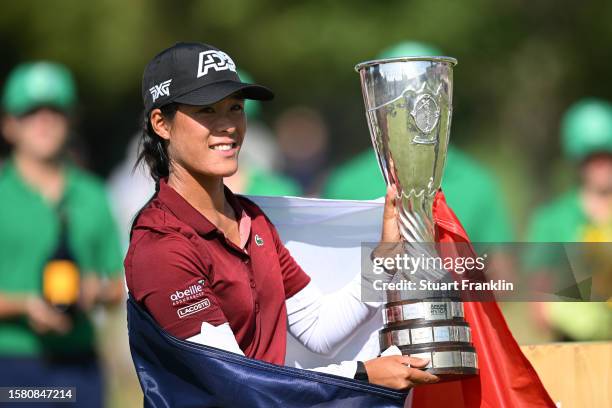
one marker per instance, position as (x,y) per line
(61,282)
(597,233)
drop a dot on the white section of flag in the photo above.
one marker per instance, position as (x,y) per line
(325,236)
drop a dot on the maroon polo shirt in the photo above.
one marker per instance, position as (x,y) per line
(184,271)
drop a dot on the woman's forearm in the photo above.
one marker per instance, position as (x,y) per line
(322,323)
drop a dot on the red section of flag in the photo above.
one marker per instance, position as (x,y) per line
(507,379)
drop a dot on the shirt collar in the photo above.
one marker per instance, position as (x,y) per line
(192,217)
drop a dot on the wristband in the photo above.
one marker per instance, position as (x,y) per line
(361,373)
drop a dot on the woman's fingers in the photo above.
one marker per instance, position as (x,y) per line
(390,212)
(390,229)
(389,202)
(414,361)
(394,372)
(416,376)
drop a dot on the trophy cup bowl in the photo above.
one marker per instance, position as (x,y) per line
(408,105)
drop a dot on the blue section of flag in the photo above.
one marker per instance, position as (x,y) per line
(180,374)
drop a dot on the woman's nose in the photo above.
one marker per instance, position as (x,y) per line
(226,125)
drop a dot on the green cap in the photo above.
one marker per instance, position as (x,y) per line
(37,84)
(251,106)
(409,49)
(586,128)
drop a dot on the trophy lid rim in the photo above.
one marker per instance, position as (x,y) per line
(365,64)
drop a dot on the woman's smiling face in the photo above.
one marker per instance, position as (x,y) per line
(204,140)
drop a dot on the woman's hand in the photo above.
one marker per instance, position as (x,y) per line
(390,239)
(390,227)
(397,372)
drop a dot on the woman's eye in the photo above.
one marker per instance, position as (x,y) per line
(207,109)
(237,107)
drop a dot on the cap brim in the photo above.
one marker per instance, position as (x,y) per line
(217,91)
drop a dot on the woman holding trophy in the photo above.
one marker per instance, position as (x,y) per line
(208,265)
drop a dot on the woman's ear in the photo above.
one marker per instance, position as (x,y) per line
(159,124)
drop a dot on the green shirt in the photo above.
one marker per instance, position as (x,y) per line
(469,189)
(30,233)
(561,220)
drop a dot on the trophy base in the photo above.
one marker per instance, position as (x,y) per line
(450,363)
(453,374)
(440,333)
(432,309)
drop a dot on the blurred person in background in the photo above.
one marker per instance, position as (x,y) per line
(303,138)
(470,189)
(130,187)
(59,250)
(582,214)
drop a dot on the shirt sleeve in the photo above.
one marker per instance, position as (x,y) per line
(323,323)
(294,277)
(166,276)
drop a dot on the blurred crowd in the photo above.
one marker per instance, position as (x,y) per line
(64,230)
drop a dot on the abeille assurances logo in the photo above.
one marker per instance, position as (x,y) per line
(194,291)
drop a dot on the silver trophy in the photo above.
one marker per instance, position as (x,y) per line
(409,107)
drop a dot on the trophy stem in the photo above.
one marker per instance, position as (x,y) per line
(415,217)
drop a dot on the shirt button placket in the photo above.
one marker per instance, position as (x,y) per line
(252,283)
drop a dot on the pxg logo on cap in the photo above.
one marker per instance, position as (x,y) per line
(194,74)
(160,90)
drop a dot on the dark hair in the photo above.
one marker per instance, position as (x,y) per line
(154,152)
(153,149)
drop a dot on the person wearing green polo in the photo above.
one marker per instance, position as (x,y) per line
(470,189)
(581,214)
(59,249)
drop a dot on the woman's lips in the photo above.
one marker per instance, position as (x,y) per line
(225,149)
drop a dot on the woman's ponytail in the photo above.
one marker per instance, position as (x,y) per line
(153,149)
(153,152)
